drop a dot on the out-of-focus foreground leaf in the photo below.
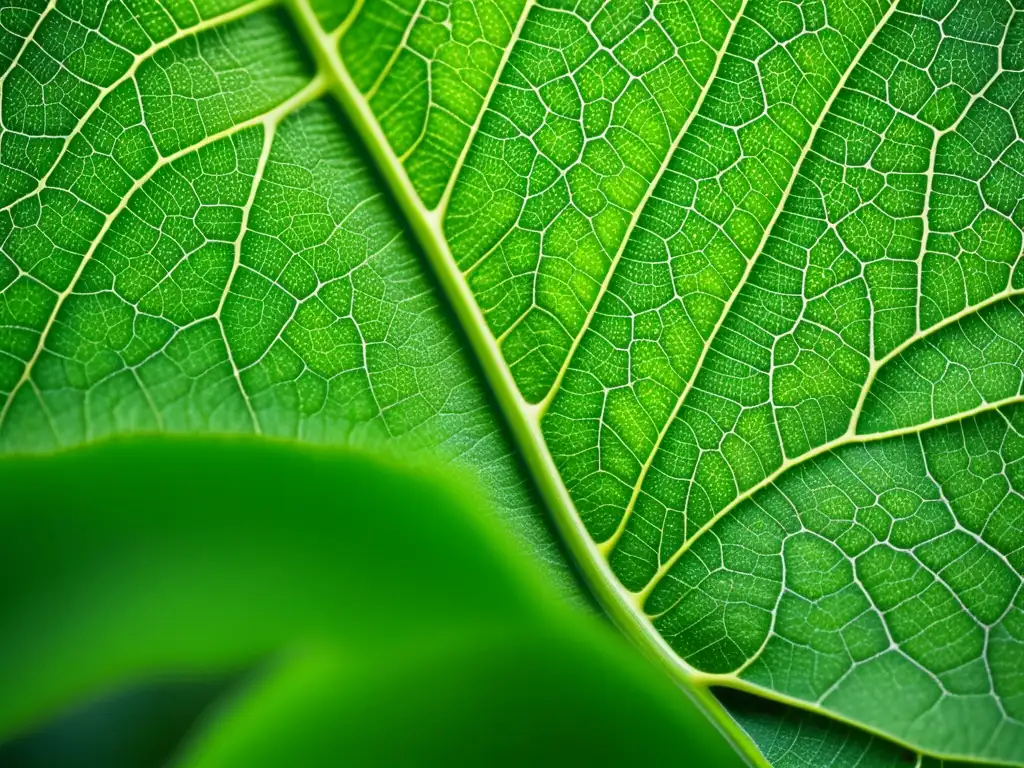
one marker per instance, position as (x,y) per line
(385,619)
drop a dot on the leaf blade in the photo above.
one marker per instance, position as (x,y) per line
(920,150)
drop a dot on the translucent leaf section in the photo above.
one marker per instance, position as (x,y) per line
(831,302)
(62,62)
(970,364)
(701,232)
(149,155)
(827,270)
(588,109)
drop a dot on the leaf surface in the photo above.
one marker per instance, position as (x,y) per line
(743,278)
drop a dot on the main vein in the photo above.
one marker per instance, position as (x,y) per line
(426,226)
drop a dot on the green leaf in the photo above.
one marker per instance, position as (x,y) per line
(363,600)
(742,277)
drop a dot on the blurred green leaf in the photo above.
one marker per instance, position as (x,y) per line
(391,621)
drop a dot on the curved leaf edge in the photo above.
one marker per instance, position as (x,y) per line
(243,566)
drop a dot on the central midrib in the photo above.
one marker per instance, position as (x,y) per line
(426,225)
(625,608)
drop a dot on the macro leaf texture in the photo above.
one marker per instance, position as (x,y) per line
(730,289)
